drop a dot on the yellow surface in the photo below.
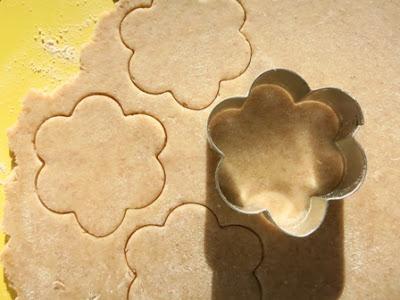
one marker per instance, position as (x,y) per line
(40,41)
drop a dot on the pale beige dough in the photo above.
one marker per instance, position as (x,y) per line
(351,45)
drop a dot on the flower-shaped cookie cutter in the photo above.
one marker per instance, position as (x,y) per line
(350,118)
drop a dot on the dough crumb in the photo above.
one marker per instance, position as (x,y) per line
(58,285)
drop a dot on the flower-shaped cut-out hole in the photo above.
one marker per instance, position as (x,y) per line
(98,162)
(285,150)
(180,258)
(186,47)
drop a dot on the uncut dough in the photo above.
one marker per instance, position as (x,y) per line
(350,45)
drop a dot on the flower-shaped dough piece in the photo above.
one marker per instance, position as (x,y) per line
(286,150)
(97,163)
(181,258)
(186,47)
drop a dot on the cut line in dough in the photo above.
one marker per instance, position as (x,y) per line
(187,87)
(100,166)
(232,254)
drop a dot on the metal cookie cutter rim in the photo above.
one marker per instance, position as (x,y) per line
(355,162)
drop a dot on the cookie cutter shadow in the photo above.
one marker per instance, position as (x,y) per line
(311,267)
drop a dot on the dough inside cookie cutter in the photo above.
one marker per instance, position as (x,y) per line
(353,160)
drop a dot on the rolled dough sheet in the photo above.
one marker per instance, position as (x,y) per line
(113,193)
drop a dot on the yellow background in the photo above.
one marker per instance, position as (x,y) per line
(40,42)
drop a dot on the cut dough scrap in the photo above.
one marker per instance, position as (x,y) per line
(180,259)
(277,154)
(176,44)
(97,163)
